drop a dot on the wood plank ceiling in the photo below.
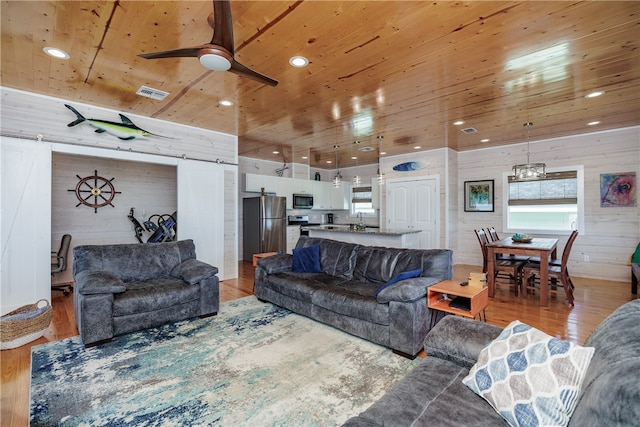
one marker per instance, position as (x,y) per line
(403,71)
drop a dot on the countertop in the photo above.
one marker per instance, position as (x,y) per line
(367,230)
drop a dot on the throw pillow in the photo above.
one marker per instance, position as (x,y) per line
(398,277)
(529,377)
(306,260)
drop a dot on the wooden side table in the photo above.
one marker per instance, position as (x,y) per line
(479,298)
(256,257)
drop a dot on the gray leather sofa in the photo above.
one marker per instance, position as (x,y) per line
(342,293)
(432,394)
(129,287)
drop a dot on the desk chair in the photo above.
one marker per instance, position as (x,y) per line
(59,264)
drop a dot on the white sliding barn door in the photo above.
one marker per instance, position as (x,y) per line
(201,210)
(25,222)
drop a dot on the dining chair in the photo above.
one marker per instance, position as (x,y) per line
(531,269)
(554,261)
(493,234)
(506,267)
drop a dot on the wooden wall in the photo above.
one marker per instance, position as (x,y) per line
(610,234)
(147,187)
(27,115)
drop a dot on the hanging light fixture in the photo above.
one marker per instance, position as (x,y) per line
(380,175)
(337,179)
(529,171)
(356,179)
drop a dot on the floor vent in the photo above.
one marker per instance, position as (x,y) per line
(469,130)
(152,93)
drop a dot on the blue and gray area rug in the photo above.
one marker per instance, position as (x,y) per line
(254,364)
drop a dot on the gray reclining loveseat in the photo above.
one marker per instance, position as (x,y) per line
(343,292)
(129,287)
(433,394)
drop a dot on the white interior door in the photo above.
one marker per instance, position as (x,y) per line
(201,210)
(414,204)
(25,222)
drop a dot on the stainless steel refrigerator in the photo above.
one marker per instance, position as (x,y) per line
(264,225)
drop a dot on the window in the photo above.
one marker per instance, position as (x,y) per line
(550,205)
(361,201)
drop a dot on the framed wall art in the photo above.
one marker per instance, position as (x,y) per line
(618,190)
(478,196)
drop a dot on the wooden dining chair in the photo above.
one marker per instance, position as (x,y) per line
(555,261)
(511,267)
(493,234)
(561,272)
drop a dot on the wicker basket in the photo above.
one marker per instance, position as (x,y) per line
(24,324)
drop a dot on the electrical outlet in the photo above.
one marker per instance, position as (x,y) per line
(586,258)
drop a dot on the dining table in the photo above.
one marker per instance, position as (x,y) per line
(541,247)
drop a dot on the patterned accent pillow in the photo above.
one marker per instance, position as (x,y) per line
(529,377)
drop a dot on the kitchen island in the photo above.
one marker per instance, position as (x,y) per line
(370,236)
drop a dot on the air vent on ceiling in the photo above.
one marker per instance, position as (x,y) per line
(152,93)
(366,149)
(469,130)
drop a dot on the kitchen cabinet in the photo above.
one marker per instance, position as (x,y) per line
(255,183)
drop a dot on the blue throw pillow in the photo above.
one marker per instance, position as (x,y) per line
(399,277)
(306,260)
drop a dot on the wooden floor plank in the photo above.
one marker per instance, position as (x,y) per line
(595,299)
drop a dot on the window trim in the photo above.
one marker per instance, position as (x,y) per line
(580,222)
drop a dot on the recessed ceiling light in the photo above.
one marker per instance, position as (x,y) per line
(417,147)
(594,94)
(329,161)
(304,157)
(354,157)
(225,102)
(485,140)
(596,122)
(458,122)
(382,153)
(298,61)
(56,53)
(275,152)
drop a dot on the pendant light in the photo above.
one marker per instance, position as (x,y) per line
(380,175)
(529,171)
(337,179)
(356,178)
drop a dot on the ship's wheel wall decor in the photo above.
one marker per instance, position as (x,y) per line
(95,191)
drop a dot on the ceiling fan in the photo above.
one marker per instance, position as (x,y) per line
(218,54)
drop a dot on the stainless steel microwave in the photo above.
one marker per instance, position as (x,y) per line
(302,201)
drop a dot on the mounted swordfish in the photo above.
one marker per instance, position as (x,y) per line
(126,130)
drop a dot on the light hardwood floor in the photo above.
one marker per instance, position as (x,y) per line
(595,299)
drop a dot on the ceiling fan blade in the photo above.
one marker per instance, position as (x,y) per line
(222,25)
(175,53)
(241,70)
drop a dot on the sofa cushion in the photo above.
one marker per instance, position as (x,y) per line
(153,295)
(194,271)
(336,258)
(376,264)
(529,377)
(353,299)
(300,285)
(98,282)
(306,260)
(398,277)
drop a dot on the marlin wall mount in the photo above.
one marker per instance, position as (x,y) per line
(125,130)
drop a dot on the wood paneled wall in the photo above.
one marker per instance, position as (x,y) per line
(610,234)
(149,188)
(27,115)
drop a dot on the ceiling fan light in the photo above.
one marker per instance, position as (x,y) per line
(215,59)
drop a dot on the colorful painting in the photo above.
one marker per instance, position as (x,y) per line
(478,196)
(618,189)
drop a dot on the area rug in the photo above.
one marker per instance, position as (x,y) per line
(253,364)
